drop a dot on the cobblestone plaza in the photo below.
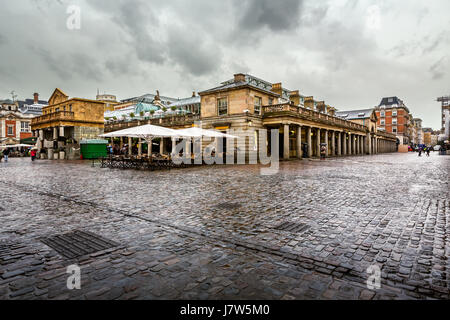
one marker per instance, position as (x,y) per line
(227,232)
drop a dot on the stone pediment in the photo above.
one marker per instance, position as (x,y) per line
(11,115)
(58,96)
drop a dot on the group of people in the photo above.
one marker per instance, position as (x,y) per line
(426,150)
(7,151)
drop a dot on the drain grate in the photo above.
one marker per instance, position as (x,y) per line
(229,205)
(292,227)
(78,243)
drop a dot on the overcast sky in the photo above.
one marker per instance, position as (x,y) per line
(349,53)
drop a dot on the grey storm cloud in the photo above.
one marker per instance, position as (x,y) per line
(275,15)
(325,48)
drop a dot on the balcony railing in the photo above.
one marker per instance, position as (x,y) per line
(112,125)
(312,115)
(55,116)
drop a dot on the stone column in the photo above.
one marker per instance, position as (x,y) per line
(299,142)
(357,144)
(286,142)
(55,133)
(350,144)
(318,142)
(326,141)
(339,146)
(361,143)
(161,146)
(354,146)
(61,131)
(129,146)
(174,143)
(187,146)
(344,143)
(368,144)
(309,142)
(140,147)
(149,148)
(121,143)
(41,135)
(333,143)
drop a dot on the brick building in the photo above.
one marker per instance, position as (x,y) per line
(394,117)
(15,119)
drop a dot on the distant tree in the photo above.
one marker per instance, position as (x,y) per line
(164,109)
(132,115)
(141,113)
(173,108)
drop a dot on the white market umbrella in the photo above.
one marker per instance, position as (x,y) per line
(199,132)
(146,132)
(17,146)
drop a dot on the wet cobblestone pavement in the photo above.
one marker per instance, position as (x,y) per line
(226,232)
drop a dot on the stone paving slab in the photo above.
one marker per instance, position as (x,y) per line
(210,233)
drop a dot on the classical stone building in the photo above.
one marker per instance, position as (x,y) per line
(66,121)
(246,107)
(250,104)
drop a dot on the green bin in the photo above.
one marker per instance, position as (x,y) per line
(93,149)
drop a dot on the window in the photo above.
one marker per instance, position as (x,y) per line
(57,110)
(383,122)
(258,103)
(222,106)
(394,129)
(391,100)
(394,113)
(10,130)
(394,120)
(270,101)
(383,114)
(24,126)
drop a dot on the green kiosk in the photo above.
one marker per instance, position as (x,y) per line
(93,148)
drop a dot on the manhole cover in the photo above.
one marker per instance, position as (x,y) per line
(292,227)
(229,205)
(78,243)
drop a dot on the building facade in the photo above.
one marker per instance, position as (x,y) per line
(249,108)
(445,106)
(394,117)
(66,121)
(15,119)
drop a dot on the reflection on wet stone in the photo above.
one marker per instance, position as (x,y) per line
(211,233)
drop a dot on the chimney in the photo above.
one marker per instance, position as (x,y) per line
(240,77)
(321,106)
(276,88)
(294,96)
(193,94)
(36,98)
(309,103)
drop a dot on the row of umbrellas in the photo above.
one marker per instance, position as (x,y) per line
(149,132)
(16,146)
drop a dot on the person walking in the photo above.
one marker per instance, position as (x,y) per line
(6,154)
(33,154)
(323,152)
(420,151)
(428,152)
